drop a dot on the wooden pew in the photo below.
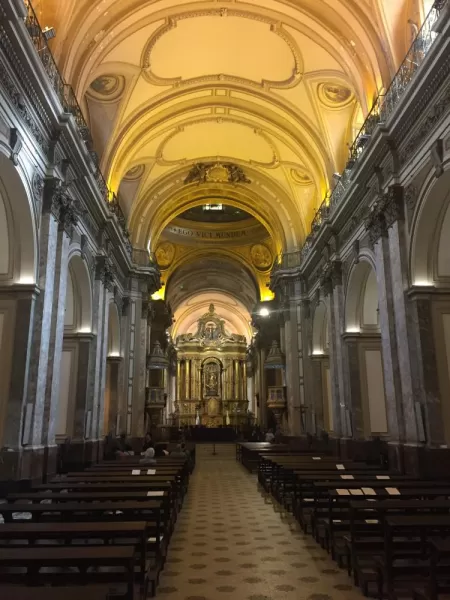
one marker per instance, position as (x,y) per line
(33,559)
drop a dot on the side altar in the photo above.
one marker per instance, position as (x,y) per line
(211,375)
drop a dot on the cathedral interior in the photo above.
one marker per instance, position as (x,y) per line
(220,218)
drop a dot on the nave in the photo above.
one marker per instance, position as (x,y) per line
(232,541)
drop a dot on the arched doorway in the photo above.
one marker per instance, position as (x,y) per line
(18,252)
(71,415)
(430,278)
(364,352)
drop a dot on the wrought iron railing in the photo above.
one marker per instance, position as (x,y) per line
(382,109)
(70,105)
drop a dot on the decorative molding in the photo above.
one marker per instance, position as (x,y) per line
(105,272)
(37,187)
(275,27)
(15,143)
(216,173)
(434,116)
(387,210)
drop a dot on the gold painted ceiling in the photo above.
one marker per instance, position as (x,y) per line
(276,88)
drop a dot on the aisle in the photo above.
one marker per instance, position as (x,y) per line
(229,542)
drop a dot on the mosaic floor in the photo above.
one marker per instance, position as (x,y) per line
(231,542)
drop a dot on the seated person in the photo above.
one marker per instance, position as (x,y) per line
(148,442)
(124,448)
(148,457)
(270,436)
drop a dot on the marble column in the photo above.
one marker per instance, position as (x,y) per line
(293,342)
(421,308)
(92,407)
(407,357)
(56,336)
(354,368)
(332,286)
(140,366)
(43,315)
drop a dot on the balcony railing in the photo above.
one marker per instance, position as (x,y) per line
(70,105)
(381,111)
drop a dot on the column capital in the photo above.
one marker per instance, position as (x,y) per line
(104,270)
(331,276)
(387,210)
(63,207)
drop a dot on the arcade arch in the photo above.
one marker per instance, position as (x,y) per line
(430,274)
(362,339)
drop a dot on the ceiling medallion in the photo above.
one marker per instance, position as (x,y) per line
(165,253)
(107,87)
(261,257)
(134,173)
(335,95)
(216,173)
(300,177)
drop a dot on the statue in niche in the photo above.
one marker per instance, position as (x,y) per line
(211,331)
(211,379)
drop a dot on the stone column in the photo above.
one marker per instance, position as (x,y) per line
(57,331)
(262,388)
(97,362)
(140,363)
(331,283)
(420,304)
(387,230)
(44,311)
(391,369)
(294,355)
(354,368)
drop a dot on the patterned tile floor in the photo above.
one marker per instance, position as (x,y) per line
(231,541)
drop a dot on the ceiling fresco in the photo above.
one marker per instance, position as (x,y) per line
(176,92)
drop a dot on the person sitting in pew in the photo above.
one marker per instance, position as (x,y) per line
(124,448)
(148,457)
(269,436)
(148,442)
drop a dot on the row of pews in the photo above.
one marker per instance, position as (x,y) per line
(390,531)
(106,529)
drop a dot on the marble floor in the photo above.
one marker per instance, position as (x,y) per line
(231,541)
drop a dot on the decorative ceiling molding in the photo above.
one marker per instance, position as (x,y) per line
(275,27)
(107,88)
(335,96)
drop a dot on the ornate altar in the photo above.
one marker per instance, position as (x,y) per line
(211,374)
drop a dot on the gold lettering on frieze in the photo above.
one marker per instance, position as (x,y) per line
(212,235)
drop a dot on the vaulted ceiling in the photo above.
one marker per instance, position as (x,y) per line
(276,87)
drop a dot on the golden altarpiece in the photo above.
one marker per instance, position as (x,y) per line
(211,374)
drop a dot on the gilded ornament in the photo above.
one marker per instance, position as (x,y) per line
(261,257)
(165,253)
